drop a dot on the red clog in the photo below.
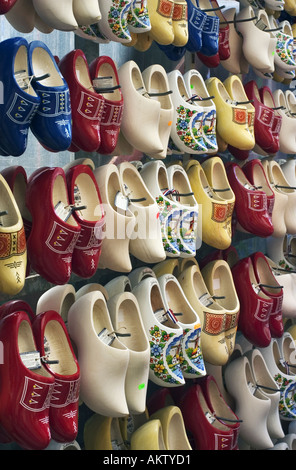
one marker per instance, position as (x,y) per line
(270,287)
(6,5)
(219,407)
(207,431)
(87,105)
(267,99)
(101,70)
(209,61)
(255,305)
(54,231)
(55,347)
(14,306)
(26,386)
(255,173)
(161,398)
(264,120)
(84,192)
(250,203)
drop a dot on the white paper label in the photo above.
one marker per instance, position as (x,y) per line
(31,359)
(121,201)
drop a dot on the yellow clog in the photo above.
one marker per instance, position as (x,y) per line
(161,19)
(103,433)
(216,175)
(213,209)
(232,119)
(235,88)
(149,436)
(211,314)
(219,281)
(173,428)
(168,266)
(180,23)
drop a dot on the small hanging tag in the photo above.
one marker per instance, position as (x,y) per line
(209,417)
(99,83)
(63,211)
(252,387)
(206,299)
(209,192)
(160,315)
(256,288)
(121,201)
(107,336)
(31,360)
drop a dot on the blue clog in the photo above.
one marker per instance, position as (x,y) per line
(172,52)
(19,102)
(51,124)
(196,21)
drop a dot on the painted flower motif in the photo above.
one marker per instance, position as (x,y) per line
(188,138)
(156,350)
(159,368)
(183,124)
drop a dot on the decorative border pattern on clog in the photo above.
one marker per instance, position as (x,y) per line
(214,324)
(138,17)
(191,360)
(168,230)
(12,244)
(189,128)
(284,48)
(239,116)
(117,18)
(165,351)
(165,8)
(287,403)
(219,212)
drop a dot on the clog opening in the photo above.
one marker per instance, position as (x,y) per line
(198,88)
(128,322)
(219,405)
(56,345)
(163,178)
(223,92)
(82,73)
(101,323)
(7,206)
(279,179)
(223,287)
(220,181)
(254,283)
(289,353)
(21,72)
(42,64)
(266,277)
(178,304)
(238,92)
(252,383)
(262,374)
(68,301)
(135,188)
(260,180)
(137,80)
(19,192)
(86,194)
(157,305)
(106,70)
(177,439)
(26,344)
(267,98)
(158,84)
(291,102)
(182,186)
(243,180)
(170,266)
(278,359)
(207,412)
(113,187)
(200,289)
(181,87)
(60,195)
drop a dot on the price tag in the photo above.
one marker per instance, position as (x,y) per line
(121,201)
(63,211)
(107,336)
(31,360)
